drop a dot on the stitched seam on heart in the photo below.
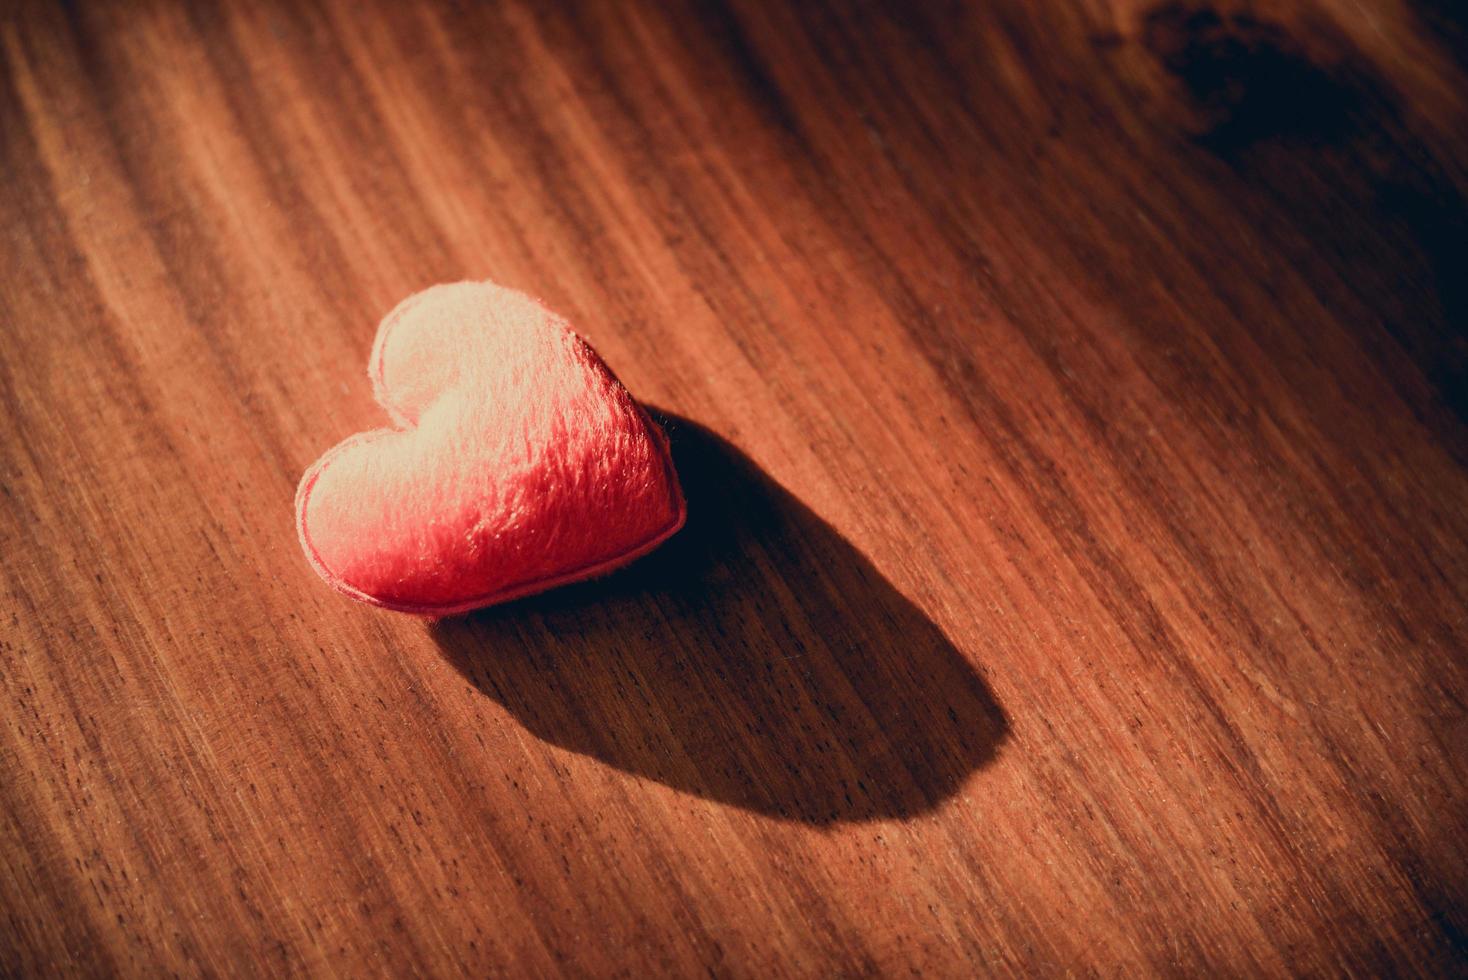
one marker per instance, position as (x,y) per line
(506,595)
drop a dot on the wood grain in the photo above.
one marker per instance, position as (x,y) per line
(1072,402)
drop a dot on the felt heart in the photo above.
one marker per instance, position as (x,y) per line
(519,462)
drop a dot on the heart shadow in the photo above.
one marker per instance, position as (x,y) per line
(757,658)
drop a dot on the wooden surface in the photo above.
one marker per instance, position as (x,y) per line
(1071,398)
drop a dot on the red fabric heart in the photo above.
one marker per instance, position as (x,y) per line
(519,463)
